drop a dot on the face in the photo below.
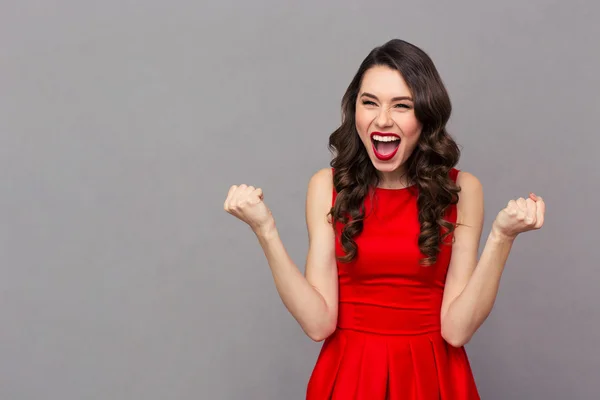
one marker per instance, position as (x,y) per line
(385,120)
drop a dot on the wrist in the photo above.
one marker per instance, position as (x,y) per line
(266,230)
(497,235)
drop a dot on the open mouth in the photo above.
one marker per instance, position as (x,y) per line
(385,145)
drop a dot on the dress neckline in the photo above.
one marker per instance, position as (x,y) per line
(395,190)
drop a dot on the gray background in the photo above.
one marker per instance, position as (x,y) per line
(123,124)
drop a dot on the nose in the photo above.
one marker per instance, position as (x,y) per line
(384,119)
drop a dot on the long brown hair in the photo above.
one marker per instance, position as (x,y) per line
(428,166)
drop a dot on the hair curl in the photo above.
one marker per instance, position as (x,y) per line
(428,166)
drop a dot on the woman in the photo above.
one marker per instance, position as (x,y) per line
(392,281)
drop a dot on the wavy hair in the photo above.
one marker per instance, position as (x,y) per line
(428,166)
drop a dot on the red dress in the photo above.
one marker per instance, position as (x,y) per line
(388,344)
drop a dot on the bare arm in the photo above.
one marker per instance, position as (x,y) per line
(471,285)
(472,307)
(311,299)
(457,319)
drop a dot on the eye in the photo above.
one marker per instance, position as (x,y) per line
(368,103)
(402,106)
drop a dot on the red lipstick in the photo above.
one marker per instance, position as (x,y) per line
(384,157)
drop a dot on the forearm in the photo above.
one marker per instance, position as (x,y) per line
(301,299)
(470,309)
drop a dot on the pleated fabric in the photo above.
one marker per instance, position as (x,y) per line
(360,366)
(388,345)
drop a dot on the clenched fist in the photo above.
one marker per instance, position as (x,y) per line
(521,216)
(246,203)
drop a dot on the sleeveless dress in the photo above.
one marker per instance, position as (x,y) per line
(388,343)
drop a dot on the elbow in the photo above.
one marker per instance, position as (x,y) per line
(317,336)
(454,338)
(321,333)
(457,342)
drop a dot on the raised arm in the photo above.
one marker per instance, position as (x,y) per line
(311,298)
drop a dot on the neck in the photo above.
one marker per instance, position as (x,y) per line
(394,179)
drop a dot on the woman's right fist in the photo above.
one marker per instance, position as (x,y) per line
(246,203)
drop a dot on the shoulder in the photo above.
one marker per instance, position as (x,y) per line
(320,186)
(322,180)
(320,192)
(470,198)
(467,180)
(323,175)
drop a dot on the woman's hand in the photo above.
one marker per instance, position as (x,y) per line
(520,216)
(246,203)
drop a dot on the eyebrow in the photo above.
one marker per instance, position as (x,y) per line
(365,94)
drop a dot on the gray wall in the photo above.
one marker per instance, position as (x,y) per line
(123,124)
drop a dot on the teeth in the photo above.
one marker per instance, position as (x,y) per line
(385,138)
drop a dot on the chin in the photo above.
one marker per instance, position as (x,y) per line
(386,166)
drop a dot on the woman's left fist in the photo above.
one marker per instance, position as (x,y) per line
(520,216)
